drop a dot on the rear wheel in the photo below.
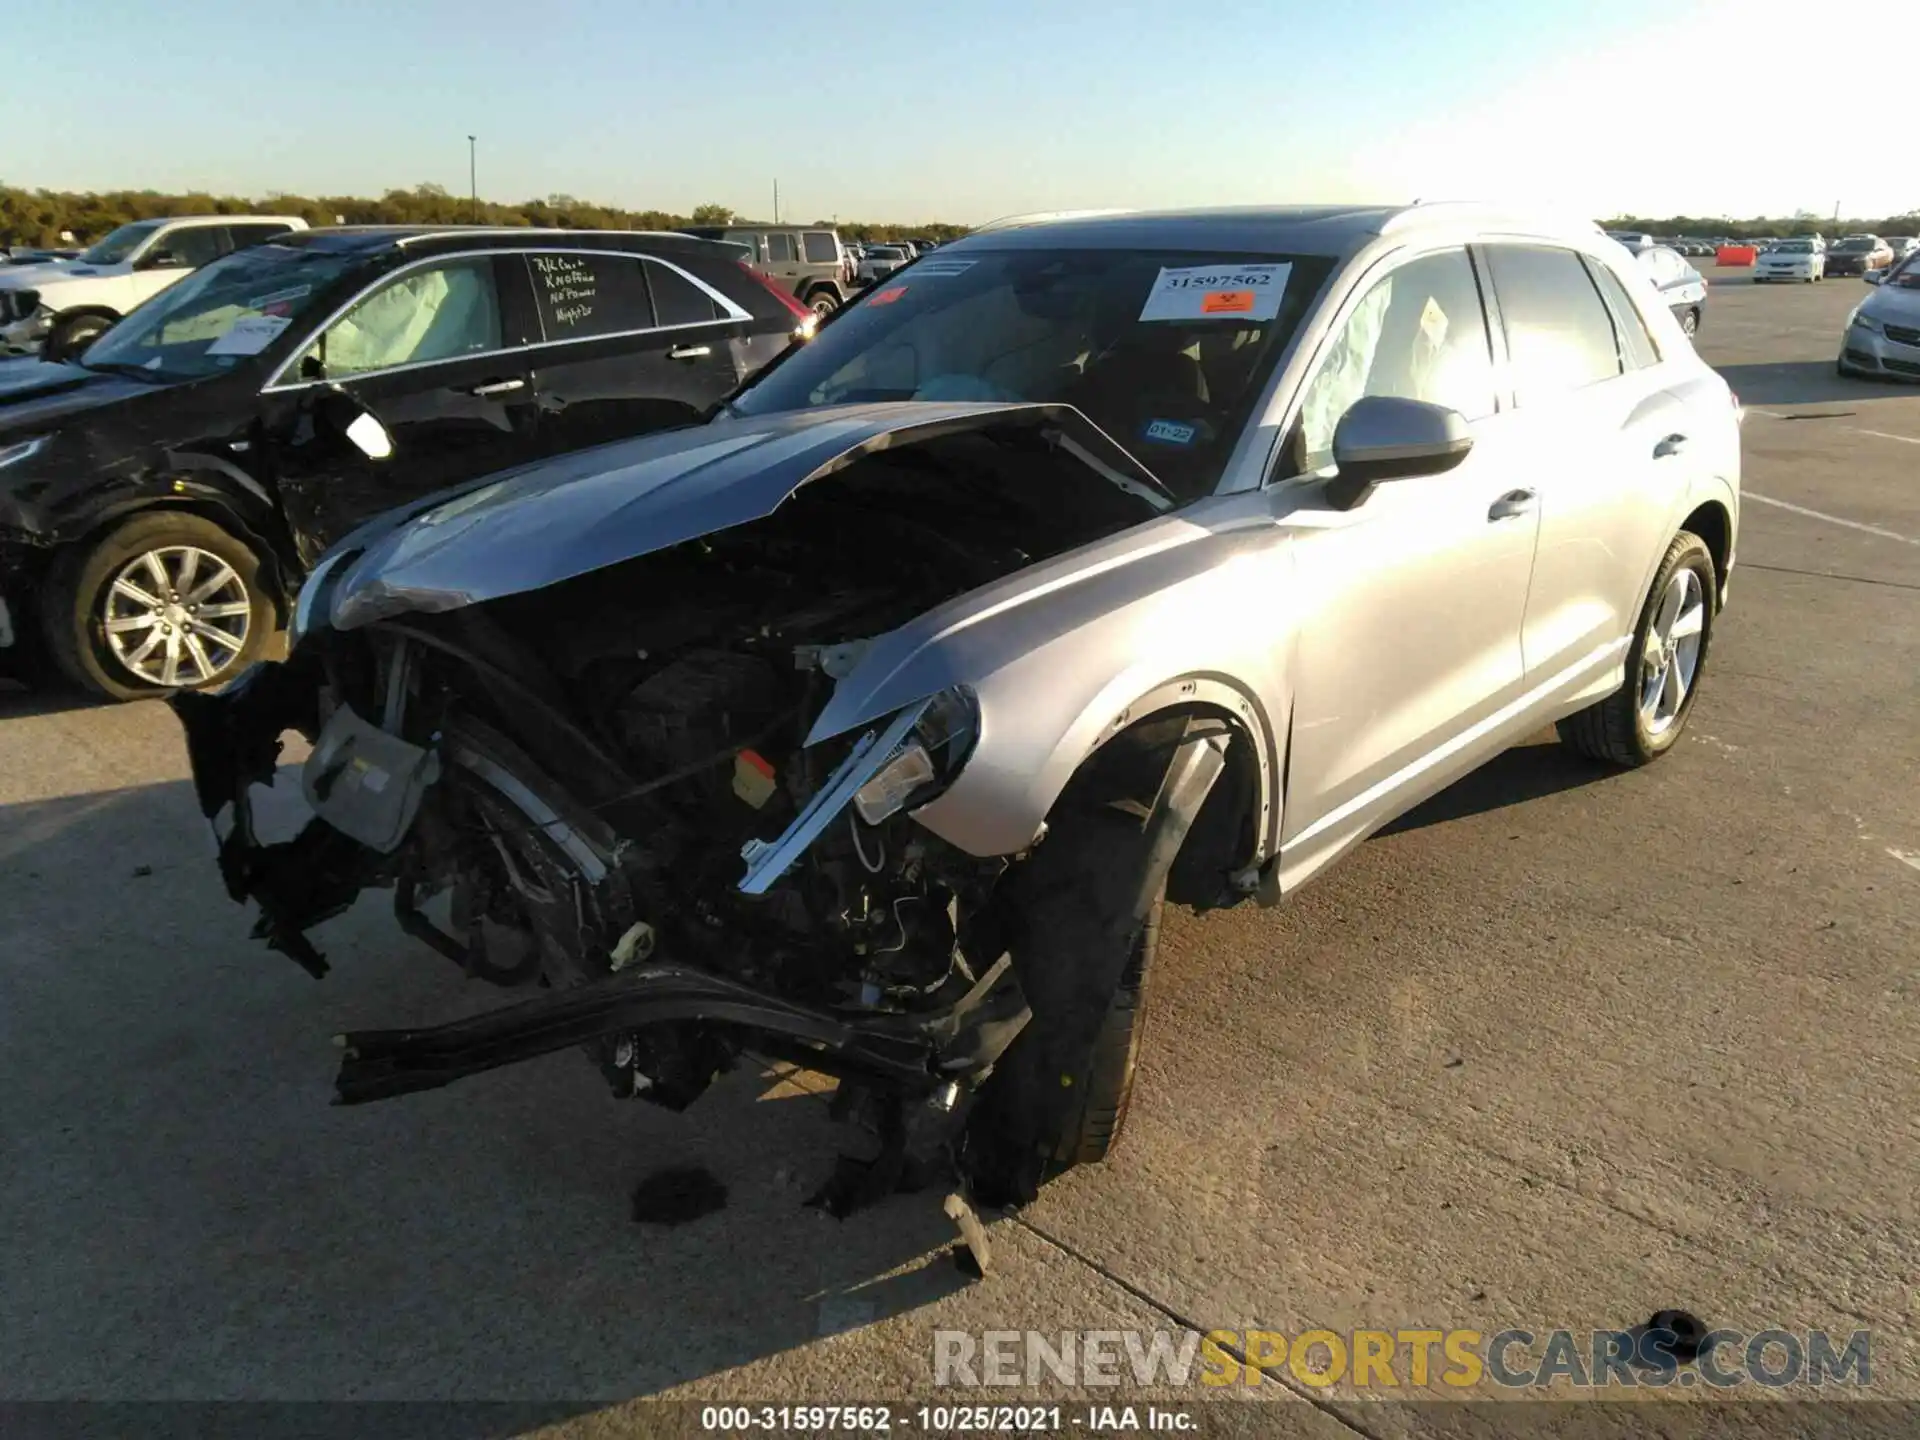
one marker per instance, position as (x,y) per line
(1644,718)
(823,302)
(168,601)
(1690,323)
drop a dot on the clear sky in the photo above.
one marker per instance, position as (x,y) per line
(961,109)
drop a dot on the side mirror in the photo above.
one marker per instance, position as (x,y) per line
(1384,437)
(1873,277)
(162,260)
(370,437)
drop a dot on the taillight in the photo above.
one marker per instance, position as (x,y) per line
(805,320)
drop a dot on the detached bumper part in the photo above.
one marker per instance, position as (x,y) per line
(913,1053)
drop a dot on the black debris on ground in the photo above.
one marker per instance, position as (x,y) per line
(677,1195)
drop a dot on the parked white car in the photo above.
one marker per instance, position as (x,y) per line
(59,309)
(1791,260)
(881,261)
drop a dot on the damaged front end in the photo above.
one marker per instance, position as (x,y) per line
(600,782)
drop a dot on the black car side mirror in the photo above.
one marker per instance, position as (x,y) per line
(162,260)
(1387,437)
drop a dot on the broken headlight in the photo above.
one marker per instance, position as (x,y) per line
(927,761)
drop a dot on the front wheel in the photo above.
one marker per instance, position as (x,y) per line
(1690,323)
(71,335)
(168,601)
(1644,718)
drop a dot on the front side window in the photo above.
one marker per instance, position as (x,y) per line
(780,248)
(217,317)
(441,312)
(239,237)
(1559,335)
(1167,351)
(1420,334)
(819,248)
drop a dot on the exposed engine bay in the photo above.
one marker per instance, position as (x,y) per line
(563,787)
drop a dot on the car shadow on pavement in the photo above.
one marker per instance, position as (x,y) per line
(1527,772)
(1802,382)
(38,698)
(186,1216)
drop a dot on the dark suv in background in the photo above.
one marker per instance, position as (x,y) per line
(162,497)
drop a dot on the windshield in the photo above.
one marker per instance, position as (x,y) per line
(1165,351)
(221,314)
(887,252)
(1794,247)
(121,243)
(1853,245)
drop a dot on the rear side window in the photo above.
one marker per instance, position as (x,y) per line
(579,296)
(780,247)
(819,248)
(677,300)
(1637,349)
(241,236)
(1559,335)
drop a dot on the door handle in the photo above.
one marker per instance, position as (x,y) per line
(1514,502)
(689,352)
(1672,445)
(497,387)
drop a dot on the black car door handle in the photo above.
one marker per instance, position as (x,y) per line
(1514,502)
(689,352)
(497,387)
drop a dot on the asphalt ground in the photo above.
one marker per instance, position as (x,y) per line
(1561,1049)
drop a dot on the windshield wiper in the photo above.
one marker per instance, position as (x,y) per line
(125,367)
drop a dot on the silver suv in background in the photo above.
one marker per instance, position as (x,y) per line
(1110,562)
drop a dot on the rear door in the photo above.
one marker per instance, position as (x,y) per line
(628,344)
(1591,398)
(436,354)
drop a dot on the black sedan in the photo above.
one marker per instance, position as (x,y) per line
(162,497)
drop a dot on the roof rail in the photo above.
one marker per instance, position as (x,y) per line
(1043,217)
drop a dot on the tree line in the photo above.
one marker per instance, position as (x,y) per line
(41,217)
(1706,226)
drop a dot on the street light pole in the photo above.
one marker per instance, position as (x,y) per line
(473,184)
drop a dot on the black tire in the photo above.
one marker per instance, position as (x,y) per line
(1690,324)
(823,302)
(75,595)
(1081,921)
(72,334)
(1614,730)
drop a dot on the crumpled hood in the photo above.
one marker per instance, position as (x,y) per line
(36,393)
(548,522)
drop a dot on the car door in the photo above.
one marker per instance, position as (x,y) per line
(437,355)
(1602,433)
(1408,605)
(630,344)
(171,256)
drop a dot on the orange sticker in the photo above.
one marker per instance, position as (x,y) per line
(889,295)
(1226,302)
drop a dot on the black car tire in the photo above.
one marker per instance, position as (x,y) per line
(823,302)
(1690,323)
(75,593)
(1614,729)
(72,334)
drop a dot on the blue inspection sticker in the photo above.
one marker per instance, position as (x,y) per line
(1170,432)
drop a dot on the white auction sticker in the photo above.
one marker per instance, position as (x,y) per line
(1218,292)
(249,335)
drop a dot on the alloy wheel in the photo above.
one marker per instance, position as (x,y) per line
(1671,656)
(177,616)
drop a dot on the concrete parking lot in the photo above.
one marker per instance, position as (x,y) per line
(1563,1048)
